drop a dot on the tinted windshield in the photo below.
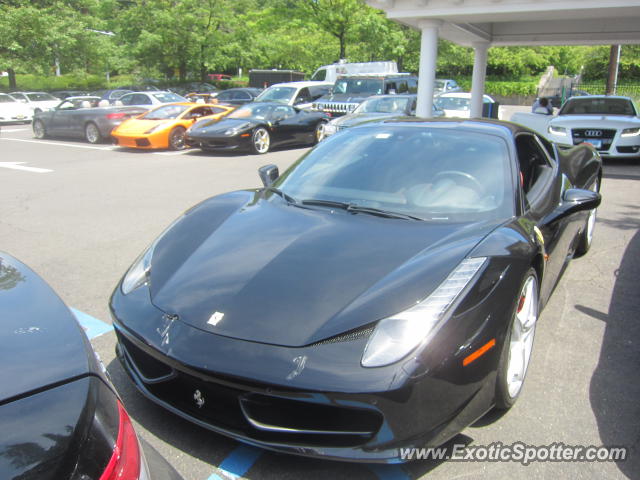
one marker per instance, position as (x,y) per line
(259,112)
(6,98)
(40,97)
(384,105)
(367,86)
(168,97)
(598,106)
(452,103)
(434,173)
(277,94)
(165,113)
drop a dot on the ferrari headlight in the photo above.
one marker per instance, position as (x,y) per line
(139,272)
(630,132)
(396,336)
(555,130)
(232,131)
(154,129)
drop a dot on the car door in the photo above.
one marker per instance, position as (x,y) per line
(285,127)
(542,187)
(59,120)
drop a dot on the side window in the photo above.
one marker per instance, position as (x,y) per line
(535,168)
(304,96)
(412,85)
(224,95)
(391,87)
(240,95)
(127,99)
(414,106)
(142,100)
(403,86)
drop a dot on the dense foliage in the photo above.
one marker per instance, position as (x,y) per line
(180,39)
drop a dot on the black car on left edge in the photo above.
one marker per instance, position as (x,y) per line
(258,127)
(59,415)
(382,293)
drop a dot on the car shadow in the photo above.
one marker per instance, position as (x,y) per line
(239,153)
(615,385)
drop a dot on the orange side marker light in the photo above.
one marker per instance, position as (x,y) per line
(478,353)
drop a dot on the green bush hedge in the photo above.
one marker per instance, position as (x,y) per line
(504,89)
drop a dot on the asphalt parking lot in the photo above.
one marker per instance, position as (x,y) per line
(79,214)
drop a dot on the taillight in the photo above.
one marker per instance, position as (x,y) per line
(125,461)
(116,115)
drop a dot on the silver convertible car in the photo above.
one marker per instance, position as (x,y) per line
(82,117)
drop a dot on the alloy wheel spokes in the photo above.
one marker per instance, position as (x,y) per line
(522,333)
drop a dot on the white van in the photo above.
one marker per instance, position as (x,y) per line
(330,73)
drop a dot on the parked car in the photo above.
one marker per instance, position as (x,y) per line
(12,110)
(258,127)
(610,124)
(444,85)
(165,126)
(458,104)
(350,91)
(382,293)
(62,94)
(87,117)
(149,99)
(298,94)
(37,101)
(111,95)
(237,96)
(219,76)
(378,108)
(61,418)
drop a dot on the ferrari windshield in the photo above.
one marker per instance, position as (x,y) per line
(165,112)
(430,172)
(598,106)
(392,104)
(277,94)
(252,110)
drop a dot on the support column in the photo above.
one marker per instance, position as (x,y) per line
(479,74)
(428,58)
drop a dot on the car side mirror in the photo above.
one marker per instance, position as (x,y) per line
(268,174)
(574,200)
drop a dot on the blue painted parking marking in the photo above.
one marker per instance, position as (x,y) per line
(92,326)
(237,463)
(388,472)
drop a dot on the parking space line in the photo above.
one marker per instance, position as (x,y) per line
(180,152)
(59,144)
(237,463)
(388,472)
(15,130)
(92,326)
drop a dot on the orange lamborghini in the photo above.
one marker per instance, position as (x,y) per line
(164,127)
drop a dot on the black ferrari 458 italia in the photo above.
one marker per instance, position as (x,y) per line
(258,127)
(60,417)
(381,293)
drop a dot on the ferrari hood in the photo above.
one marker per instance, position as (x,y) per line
(139,126)
(285,275)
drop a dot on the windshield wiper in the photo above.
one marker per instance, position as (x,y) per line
(288,198)
(355,208)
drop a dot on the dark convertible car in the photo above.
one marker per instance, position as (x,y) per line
(381,293)
(59,415)
(258,127)
(88,117)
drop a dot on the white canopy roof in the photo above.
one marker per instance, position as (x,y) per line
(517,22)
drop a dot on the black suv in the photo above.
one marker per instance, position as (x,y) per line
(350,90)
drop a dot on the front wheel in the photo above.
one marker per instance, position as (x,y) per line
(91,133)
(260,141)
(518,344)
(319,132)
(176,138)
(38,129)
